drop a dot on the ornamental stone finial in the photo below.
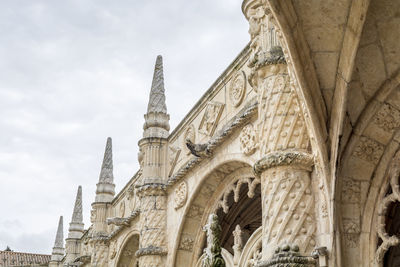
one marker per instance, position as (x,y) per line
(157,93)
(58,249)
(157,120)
(76,225)
(106,188)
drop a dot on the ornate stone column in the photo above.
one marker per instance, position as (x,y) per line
(75,232)
(285,163)
(153,161)
(152,249)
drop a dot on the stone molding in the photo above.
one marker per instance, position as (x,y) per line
(288,256)
(299,159)
(151,189)
(151,250)
(242,117)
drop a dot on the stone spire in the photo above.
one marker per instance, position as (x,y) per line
(58,249)
(157,93)
(76,224)
(106,188)
(157,120)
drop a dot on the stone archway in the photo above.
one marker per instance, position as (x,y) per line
(222,189)
(127,257)
(364,169)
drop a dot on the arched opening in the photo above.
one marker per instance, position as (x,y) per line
(246,212)
(392,221)
(127,257)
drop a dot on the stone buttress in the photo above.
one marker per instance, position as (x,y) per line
(75,232)
(153,161)
(101,208)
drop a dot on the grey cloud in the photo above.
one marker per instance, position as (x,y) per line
(74,72)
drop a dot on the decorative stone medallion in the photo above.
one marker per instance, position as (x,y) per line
(237,89)
(210,118)
(180,195)
(248,140)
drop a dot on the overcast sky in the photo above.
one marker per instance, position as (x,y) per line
(74,72)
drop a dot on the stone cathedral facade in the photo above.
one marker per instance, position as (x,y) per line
(291,158)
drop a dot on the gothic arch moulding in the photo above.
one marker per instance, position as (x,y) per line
(124,252)
(210,195)
(363,172)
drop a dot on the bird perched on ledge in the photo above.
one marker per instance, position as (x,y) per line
(199,150)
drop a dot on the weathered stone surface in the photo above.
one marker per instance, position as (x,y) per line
(295,143)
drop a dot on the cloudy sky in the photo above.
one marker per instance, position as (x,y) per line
(74,72)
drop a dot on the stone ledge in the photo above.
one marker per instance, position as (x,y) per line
(300,159)
(151,250)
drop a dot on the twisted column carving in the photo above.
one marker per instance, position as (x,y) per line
(285,163)
(152,248)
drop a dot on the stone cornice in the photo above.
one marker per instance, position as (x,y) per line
(151,189)
(299,159)
(151,250)
(243,116)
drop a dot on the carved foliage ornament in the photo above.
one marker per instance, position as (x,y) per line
(237,89)
(180,195)
(248,140)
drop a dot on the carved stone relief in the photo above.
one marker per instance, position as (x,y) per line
(210,118)
(289,209)
(113,249)
(248,140)
(368,150)
(186,243)
(174,153)
(281,123)
(387,118)
(195,212)
(351,229)
(180,195)
(238,244)
(351,191)
(237,89)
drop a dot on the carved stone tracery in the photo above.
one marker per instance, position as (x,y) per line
(388,240)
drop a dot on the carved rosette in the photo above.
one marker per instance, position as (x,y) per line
(248,140)
(180,195)
(237,90)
